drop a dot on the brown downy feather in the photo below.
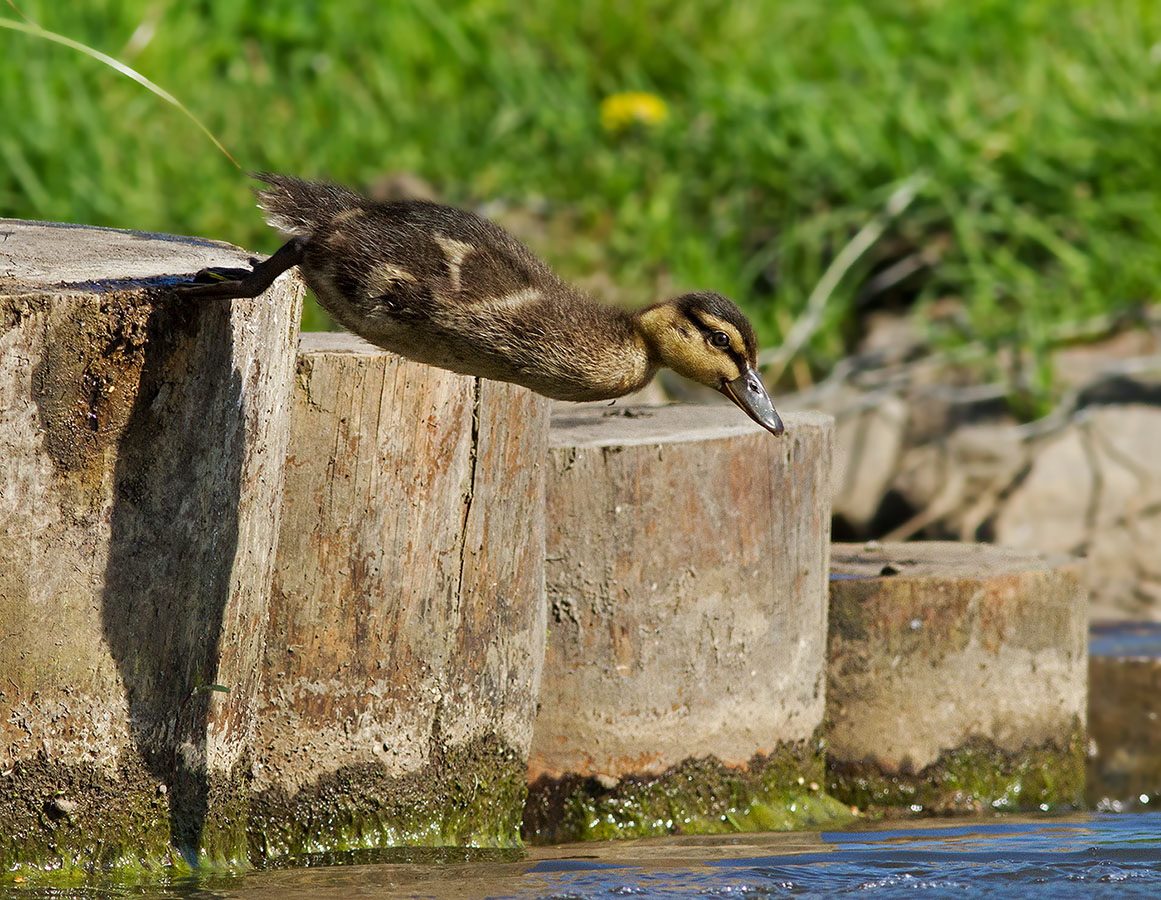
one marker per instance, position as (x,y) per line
(298,207)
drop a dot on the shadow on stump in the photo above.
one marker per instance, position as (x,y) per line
(174,538)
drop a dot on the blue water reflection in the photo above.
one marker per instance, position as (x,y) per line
(1140,640)
(1083,857)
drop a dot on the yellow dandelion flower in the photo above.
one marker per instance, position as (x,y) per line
(623,110)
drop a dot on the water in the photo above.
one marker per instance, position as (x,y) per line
(1133,640)
(1090,856)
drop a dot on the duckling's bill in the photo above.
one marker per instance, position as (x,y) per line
(748,392)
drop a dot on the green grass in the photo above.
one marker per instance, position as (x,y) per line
(1038,125)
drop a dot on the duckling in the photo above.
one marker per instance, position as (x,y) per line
(451,289)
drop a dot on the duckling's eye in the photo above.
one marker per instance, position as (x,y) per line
(720,339)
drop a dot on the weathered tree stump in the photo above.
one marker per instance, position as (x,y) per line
(1124,716)
(957,677)
(407,617)
(143,441)
(687,561)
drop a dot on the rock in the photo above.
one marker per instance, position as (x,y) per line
(868,443)
(960,483)
(1095,489)
(1083,364)
(63,806)
(869,436)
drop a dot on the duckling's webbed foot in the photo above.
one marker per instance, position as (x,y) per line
(220,283)
(218,274)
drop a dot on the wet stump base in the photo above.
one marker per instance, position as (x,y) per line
(957,678)
(467,795)
(780,792)
(1124,716)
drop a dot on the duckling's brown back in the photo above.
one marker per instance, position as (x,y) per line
(449,288)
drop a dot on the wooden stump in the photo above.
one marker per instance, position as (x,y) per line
(407,617)
(1124,716)
(687,560)
(957,677)
(143,441)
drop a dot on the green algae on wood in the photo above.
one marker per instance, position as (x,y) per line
(469,795)
(81,818)
(976,777)
(62,818)
(698,796)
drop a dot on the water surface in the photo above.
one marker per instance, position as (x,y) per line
(1088,856)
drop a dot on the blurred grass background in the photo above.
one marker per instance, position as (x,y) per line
(1037,125)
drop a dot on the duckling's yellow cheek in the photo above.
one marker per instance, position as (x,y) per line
(683,348)
(693,359)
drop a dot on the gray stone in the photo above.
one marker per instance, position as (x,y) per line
(1095,489)
(961,481)
(868,442)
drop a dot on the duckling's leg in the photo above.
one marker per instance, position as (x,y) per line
(232,284)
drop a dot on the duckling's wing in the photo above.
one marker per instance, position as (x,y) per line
(411,251)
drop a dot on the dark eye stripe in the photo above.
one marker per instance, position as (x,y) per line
(707,330)
(702,325)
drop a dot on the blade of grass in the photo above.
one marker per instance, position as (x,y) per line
(807,323)
(127,71)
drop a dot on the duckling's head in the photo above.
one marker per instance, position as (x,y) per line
(705,337)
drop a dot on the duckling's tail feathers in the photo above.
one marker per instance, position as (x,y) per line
(298,207)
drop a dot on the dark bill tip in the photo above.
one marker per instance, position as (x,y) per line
(748,392)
